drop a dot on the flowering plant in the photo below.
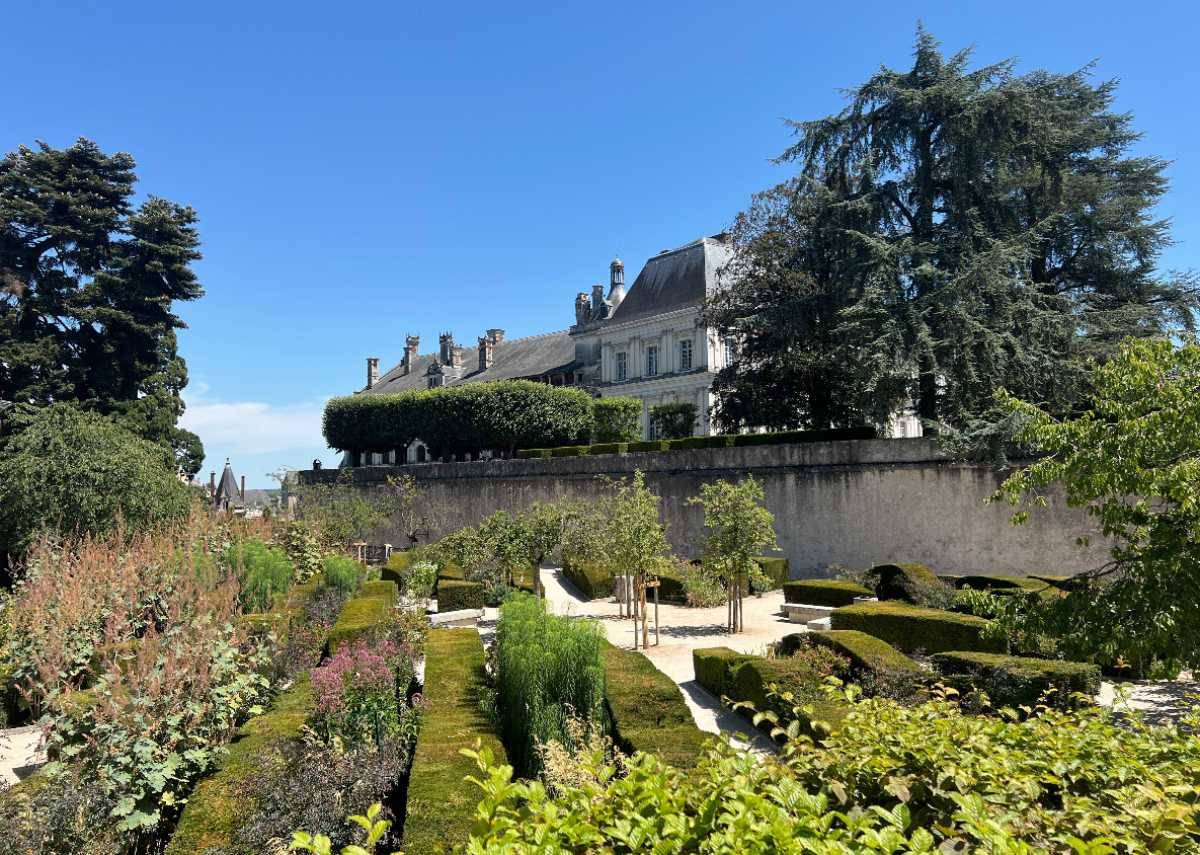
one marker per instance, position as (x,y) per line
(359,690)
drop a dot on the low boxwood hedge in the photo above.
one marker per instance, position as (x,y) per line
(362,614)
(712,666)
(594,581)
(689,442)
(569,451)
(910,627)
(607,448)
(396,566)
(900,581)
(823,592)
(717,441)
(219,804)
(441,805)
(830,435)
(992,582)
(776,569)
(647,708)
(456,594)
(1018,680)
(867,654)
(751,678)
(648,445)
(533,453)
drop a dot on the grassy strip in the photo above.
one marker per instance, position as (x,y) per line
(648,710)
(441,805)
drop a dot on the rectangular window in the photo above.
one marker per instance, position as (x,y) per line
(622,367)
(651,360)
(685,355)
(728,350)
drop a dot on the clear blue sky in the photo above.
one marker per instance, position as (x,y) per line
(365,170)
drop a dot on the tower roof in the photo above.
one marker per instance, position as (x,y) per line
(227,489)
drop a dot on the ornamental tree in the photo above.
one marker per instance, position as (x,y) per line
(1132,461)
(739,527)
(636,537)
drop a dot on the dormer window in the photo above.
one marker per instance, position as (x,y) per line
(651,360)
(685,355)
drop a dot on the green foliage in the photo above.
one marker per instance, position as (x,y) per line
(913,628)
(1132,461)
(502,416)
(674,420)
(866,653)
(1015,681)
(594,581)
(362,616)
(952,230)
(420,579)
(700,588)
(569,451)
(456,594)
(71,472)
(647,445)
(301,543)
(616,419)
(373,827)
(607,448)
(548,667)
(713,666)
(999,582)
(647,709)
(440,805)
(743,440)
(88,284)
(775,572)
(692,442)
(791,688)
(342,573)
(823,592)
(905,582)
(339,512)
(263,573)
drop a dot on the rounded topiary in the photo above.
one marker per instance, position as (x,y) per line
(901,581)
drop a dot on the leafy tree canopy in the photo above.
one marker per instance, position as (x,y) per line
(88,284)
(73,472)
(952,230)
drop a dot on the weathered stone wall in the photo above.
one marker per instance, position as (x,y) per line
(838,503)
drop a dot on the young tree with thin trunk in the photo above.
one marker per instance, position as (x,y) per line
(637,539)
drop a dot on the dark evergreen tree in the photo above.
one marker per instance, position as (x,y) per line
(88,284)
(950,231)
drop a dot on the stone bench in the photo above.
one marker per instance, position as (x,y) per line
(461,617)
(803,613)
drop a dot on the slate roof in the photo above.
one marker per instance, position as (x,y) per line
(227,489)
(531,356)
(674,280)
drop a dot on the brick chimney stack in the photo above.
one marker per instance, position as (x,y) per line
(372,371)
(446,348)
(487,352)
(411,343)
(243,489)
(212,483)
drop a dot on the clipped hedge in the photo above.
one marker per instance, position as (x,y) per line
(831,435)
(1017,680)
(569,451)
(441,806)
(219,804)
(607,448)
(397,565)
(867,654)
(910,627)
(594,581)
(712,666)
(751,678)
(690,442)
(647,445)
(533,454)
(362,614)
(633,445)
(823,592)
(901,581)
(455,594)
(647,708)
(986,582)
(454,420)
(673,420)
(776,570)
(616,419)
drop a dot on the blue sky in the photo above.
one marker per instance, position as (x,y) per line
(362,171)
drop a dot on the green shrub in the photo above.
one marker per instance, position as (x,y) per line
(594,581)
(912,628)
(719,441)
(441,807)
(456,594)
(569,451)
(607,448)
(263,573)
(344,574)
(672,587)
(776,571)
(362,615)
(802,675)
(675,420)
(832,435)
(648,445)
(712,666)
(823,592)
(74,472)
(1016,680)
(995,582)
(901,581)
(533,454)
(398,562)
(548,667)
(218,806)
(503,415)
(647,709)
(616,419)
(866,653)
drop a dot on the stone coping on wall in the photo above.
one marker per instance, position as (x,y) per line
(864,453)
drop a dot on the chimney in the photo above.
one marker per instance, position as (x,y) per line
(487,351)
(243,489)
(212,483)
(411,343)
(446,348)
(597,297)
(495,335)
(372,371)
(616,282)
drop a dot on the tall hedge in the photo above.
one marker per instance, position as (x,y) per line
(499,416)
(616,419)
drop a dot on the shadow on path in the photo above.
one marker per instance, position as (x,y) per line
(725,719)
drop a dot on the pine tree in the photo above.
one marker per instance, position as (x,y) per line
(988,229)
(88,284)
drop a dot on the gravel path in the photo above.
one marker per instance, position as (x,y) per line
(21,753)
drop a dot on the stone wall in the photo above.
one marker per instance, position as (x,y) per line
(837,503)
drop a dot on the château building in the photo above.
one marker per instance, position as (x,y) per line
(647,343)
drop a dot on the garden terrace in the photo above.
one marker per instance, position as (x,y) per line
(441,806)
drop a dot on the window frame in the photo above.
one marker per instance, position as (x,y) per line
(621,366)
(652,360)
(685,355)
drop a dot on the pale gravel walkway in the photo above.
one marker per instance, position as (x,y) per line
(21,753)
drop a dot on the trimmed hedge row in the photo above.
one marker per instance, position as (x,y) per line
(455,594)
(690,442)
(1017,680)
(592,580)
(900,581)
(217,807)
(750,680)
(713,665)
(397,564)
(776,570)
(616,419)
(867,654)
(995,583)
(441,805)
(362,614)
(823,592)
(647,709)
(912,628)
